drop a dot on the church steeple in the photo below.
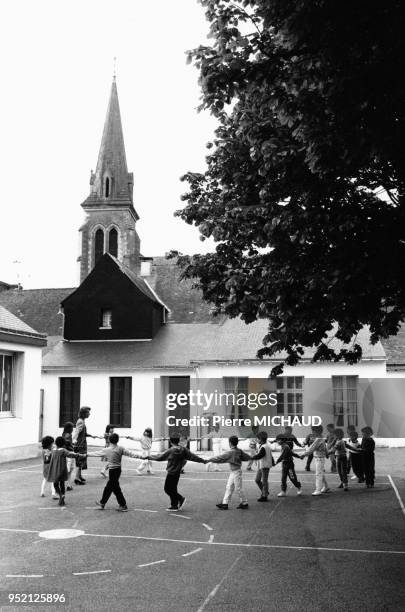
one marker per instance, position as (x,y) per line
(111,217)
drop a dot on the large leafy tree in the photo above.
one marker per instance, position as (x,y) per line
(304,187)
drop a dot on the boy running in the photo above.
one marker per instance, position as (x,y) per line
(176,457)
(113,453)
(234,457)
(287,467)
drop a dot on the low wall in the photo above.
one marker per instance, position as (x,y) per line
(15,453)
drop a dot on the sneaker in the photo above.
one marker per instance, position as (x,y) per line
(222,506)
(42,494)
(100,504)
(327,490)
(317,493)
(262,499)
(122,509)
(340,486)
(181,504)
(242,506)
(69,488)
(104,475)
(299,491)
(55,497)
(79,482)
(172,509)
(150,472)
(282,494)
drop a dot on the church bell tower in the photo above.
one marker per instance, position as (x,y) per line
(110,224)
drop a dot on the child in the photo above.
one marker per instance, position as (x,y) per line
(367,449)
(58,468)
(339,448)
(287,467)
(216,445)
(330,441)
(113,454)
(47,443)
(176,457)
(146,446)
(234,457)
(307,442)
(265,461)
(70,462)
(108,430)
(355,458)
(252,452)
(318,449)
(349,430)
(288,437)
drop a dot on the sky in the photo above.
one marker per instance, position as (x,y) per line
(57,66)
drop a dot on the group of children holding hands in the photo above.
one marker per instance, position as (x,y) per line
(59,453)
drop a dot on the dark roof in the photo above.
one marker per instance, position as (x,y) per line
(394,347)
(178,346)
(12,327)
(39,308)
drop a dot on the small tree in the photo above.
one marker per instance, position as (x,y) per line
(304,187)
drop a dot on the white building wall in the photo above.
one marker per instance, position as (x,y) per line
(19,433)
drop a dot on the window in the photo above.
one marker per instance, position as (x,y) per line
(106,318)
(98,245)
(344,400)
(69,400)
(6,383)
(239,388)
(146,267)
(120,401)
(289,395)
(113,242)
(107,187)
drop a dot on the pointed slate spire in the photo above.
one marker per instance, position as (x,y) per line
(111,184)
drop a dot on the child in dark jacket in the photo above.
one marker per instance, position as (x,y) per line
(234,457)
(287,467)
(176,457)
(367,447)
(339,449)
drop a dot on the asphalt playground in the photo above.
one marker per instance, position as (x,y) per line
(341,551)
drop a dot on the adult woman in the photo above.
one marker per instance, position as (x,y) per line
(80,443)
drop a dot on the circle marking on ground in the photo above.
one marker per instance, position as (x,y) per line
(61,534)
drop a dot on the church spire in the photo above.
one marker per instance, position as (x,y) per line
(110,224)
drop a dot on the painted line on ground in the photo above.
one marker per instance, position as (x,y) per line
(217,586)
(244,545)
(207,526)
(88,573)
(394,486)
(24,575)
(193,552)
(5,511)
(19,469)
(226,544)
(153,563)
(180,516)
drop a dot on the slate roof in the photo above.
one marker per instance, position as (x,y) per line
(39,308)
(178,346)
(12,325)
(394,347)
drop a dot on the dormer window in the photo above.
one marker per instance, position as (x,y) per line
(146,267)
(106,318)
(107,187)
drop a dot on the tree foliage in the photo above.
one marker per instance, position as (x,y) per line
(304,187)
